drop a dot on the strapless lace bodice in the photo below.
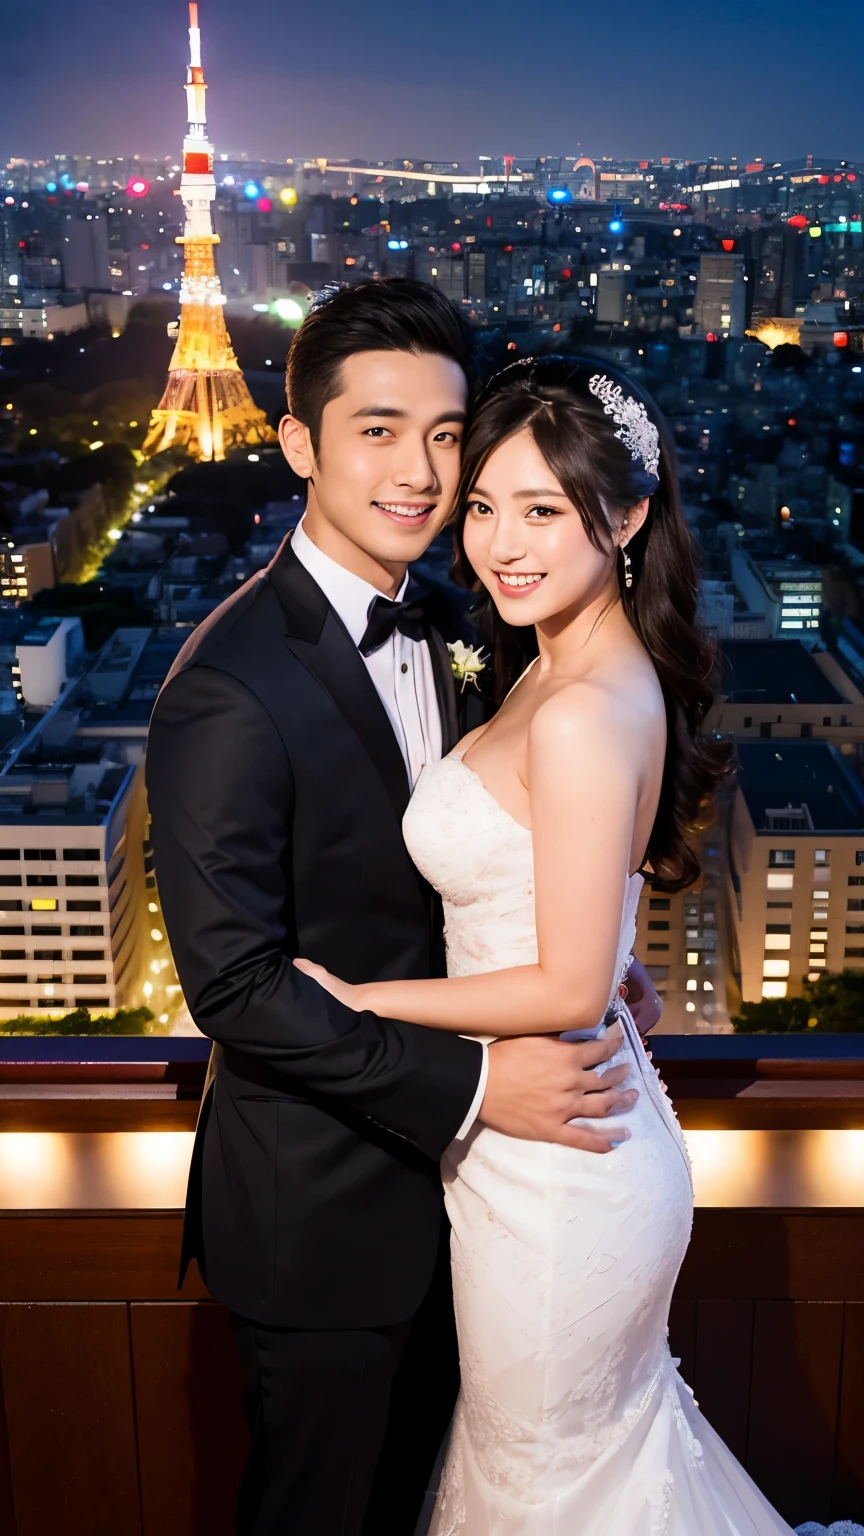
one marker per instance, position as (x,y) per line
(481,861)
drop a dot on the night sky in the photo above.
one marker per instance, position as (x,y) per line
(415,77)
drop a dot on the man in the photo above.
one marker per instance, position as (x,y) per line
(282,753)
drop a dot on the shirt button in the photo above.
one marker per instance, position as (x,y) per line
(404,666)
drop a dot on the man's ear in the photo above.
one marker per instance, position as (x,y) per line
(296,443)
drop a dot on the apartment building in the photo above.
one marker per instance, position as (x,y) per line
(796,866)
(80,923)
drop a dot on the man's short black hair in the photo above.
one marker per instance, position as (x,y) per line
(392,314)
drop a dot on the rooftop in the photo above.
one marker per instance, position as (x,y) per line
(799,775)
(774,672)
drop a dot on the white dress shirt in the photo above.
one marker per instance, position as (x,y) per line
(401,670)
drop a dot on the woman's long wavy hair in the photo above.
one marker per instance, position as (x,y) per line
(550,397)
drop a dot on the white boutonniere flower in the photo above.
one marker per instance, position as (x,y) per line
(466,662)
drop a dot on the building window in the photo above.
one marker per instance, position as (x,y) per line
(780,882)
(855,906)
(13,954)
(853,954)
(42,930)
(43,904)
(41,879)
(820,855)
(658,927)
(658,946)
(856,879)
(779,906)
(82,855)
(86,930)
(663,904)
(11,880)
(8,930)
(692,956)
(47,954)
(82,879)
(778,928)
(51,1002)
(775,968)
(92,1002)
(748,721)
(10,853)
(774,988)
(93,981)
(47,855)
(859,855)
(19,981)
(11,906)
(781,858)
(88,954)
(83,906)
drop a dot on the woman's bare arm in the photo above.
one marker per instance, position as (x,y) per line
(584,790)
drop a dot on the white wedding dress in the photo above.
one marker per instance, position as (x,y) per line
(572,1418)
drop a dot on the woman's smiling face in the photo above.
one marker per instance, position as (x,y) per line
(527,541)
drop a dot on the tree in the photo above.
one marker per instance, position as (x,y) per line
(124,1021)
(833,1005)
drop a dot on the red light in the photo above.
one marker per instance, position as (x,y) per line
(565,272)
(22,245)
(196,162)
(792,422)
(145,247)
(824,180)
(728,245)
(138,186)
(711,336)
(511,346)
(851,176)
(508,247)
(456,246)
(264,205)
(663,207)
(798,221)
(350,261)
(488,221)
(841,338)
(838,178)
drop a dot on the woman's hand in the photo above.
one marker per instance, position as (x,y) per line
(343,991)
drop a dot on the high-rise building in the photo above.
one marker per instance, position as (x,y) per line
(206,407)
(720,306)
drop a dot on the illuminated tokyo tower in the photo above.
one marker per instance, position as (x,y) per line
(206,407)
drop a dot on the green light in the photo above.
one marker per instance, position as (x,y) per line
(288,310)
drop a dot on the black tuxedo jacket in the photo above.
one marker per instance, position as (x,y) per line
(276,789)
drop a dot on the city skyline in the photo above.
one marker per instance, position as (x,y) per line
(716,83)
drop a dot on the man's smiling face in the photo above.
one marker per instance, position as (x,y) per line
(384,478)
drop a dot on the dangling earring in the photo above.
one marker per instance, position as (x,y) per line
(628,568)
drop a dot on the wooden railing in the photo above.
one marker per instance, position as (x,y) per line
(119,1408)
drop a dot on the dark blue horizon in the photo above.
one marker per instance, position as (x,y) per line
(678,79)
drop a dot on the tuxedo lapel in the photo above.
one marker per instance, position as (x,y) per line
(320,641)
(445,689)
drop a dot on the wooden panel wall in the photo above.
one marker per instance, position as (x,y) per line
(123,1419)
(119,1400)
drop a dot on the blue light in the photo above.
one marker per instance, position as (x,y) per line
(560,195)
(50,186)
(615,227)
(252,191)
(394,245)
(66,180)
(403,245)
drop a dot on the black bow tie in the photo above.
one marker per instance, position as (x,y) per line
(409,617)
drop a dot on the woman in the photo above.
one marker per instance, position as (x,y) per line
(572,1420)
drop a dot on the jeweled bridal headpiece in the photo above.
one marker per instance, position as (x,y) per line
(636,430)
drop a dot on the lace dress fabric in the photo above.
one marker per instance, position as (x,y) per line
(572,1418)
